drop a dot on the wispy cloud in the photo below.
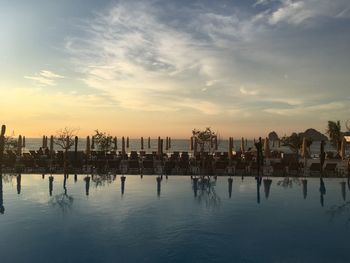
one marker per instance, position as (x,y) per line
(45,78)
(208,62)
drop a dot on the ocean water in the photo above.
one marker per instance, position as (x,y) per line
(179,145)
(283,220)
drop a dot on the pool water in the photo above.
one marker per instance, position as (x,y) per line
(283,220)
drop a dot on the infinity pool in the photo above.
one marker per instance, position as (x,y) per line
(283,220)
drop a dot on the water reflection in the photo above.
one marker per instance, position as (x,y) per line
(122,179)
(19,177)
(304,184)
(159,180)
(322,191)
(258,184)
(87,185)
(267,187)
(2,208)
(50,185)
(230,181)
(343,190)
(205,192)
(289,182)
(63,200)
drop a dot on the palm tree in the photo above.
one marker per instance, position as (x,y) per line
(335,134)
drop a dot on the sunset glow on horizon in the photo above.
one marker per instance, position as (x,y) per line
(163,68)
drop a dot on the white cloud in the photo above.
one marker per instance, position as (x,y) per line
(144,63)
(45,78)
(244,91)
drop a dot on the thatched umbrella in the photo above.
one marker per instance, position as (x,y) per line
(51,145)
(141,143)
(149,142)
(123,146)
(342,148)
(19,146)
(191,143)
(88,149)
(93,142)
(230,146)
(267,148)
(242,145)
(158,151)
(115,142)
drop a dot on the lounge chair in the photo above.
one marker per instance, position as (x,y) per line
(315,169)
(330,169)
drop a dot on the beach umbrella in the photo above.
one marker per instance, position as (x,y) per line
(191,143)
(304,148)
(141,143)
(24,141)
(51,145)
(115,141)
(92,142)
(88,150)
(123,146)
(242,145)
(19,146)
(149,142)
(342,148)
(230,148)
(127,142)
(266,148)
(158,151)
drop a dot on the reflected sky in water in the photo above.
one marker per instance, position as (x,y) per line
(175,220)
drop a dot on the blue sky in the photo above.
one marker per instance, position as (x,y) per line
(241,67)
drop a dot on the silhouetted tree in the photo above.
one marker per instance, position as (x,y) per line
(65,138)
(205,138)
(335,134)
(103,141)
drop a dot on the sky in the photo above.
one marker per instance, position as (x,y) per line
(149,68)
